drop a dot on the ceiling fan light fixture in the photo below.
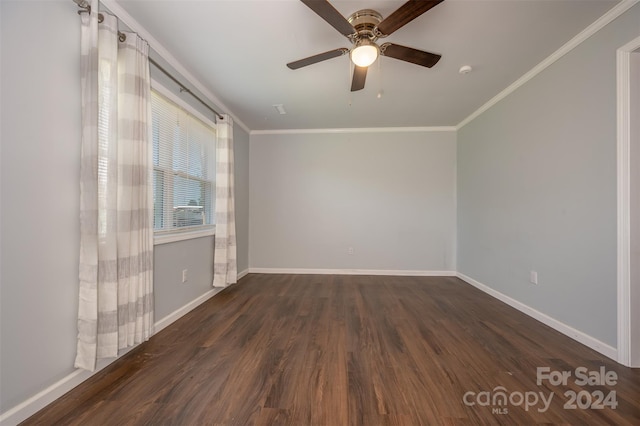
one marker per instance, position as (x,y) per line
(365,53)
(363,28)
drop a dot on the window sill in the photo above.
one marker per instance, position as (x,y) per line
(172,237)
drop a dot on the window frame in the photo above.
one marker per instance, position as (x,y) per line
(165,236)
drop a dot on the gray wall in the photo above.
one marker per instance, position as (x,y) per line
(390,196)
(196,256)
(39,183)
(537,188)
(241,157)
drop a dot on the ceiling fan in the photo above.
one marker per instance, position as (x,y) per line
(363,28)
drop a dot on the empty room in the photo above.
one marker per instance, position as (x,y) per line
(319,212)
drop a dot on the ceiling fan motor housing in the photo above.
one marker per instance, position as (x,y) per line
(364,22)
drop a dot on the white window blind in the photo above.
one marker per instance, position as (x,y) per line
(183,167)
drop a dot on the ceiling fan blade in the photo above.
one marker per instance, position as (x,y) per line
(326,11)
(359,77)
(405,14)
(317,58)
(408,54)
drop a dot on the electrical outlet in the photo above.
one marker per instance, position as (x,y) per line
(533,277)
(184,275)
(350,251)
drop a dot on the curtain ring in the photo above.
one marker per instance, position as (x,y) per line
(88,10)
(84,9)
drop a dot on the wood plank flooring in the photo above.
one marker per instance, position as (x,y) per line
(347,350)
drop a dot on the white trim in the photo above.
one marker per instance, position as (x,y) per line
(355,130)
(585,339)
(180,312)
(242,274)
(32,405)
(135,26)
(43,398)
(388,272)
(605,19)
(623,199)
(623,81)
(46,396)
(173,236)
(164,91)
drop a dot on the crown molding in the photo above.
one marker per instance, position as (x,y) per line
(355,130)
(596,26)
(601,22)
(135,26)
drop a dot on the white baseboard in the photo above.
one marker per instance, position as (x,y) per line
(389,272)
(585,339)
(242,274)
(43,398)
(32,405)
(180,312)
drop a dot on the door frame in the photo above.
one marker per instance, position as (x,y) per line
(623,67)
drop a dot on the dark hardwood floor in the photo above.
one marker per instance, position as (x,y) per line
(351,350)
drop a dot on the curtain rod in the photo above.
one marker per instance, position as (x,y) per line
(86,8)
(184,89)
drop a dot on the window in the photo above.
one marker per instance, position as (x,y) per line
(183,168)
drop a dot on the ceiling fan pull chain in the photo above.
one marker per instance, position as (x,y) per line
(379,94)
(350,71)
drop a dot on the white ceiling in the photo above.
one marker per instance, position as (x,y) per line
(238,50)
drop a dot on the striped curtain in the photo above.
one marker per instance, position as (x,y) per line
(225,267)
(116,207)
